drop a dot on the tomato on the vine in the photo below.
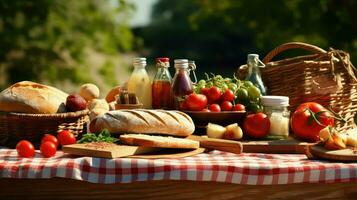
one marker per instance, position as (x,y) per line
(239,107)
(308,120)
(256,125)
(196,102)
(25,149)
(228,95)
(214,94)
(214,108)
(226,106)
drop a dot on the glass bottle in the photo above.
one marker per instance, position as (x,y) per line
(254,75)
(276,108)
(139,82)
(181,84)
(161,86)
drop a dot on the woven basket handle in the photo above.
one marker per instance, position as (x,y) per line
(292,45)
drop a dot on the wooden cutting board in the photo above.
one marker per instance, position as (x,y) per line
(338,155)
(289,145)
(117,151)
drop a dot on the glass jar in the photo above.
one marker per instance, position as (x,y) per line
(181,84)
(139,82)
(276,108)
(161,86)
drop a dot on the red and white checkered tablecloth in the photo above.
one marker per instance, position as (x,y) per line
(246,168)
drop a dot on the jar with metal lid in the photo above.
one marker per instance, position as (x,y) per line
(276,108)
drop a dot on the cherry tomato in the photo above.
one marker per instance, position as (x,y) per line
(66,137)
(214,108)
(196,102)
(25,149)
(204,91)
(48,149)
(239,107)
(256,125)
(305,126)
(206,110)
(228,95)
(183,105)
(214,94)
(51,138)
(226,106)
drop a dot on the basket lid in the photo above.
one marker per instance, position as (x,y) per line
(275,100)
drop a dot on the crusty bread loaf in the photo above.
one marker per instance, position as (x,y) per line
(144,121)
(30,97)
(159,141)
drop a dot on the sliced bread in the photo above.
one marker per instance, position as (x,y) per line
(159,141)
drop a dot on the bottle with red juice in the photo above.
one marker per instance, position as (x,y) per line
(181,84)
(162,97)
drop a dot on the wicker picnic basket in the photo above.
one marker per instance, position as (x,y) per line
(18,126)
(326,77)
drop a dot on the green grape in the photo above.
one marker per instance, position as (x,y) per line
(254,93)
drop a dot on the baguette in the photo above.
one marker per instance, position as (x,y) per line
(159,141)
(174,123)
(30,97)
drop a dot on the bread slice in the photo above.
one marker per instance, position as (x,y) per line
(159,141)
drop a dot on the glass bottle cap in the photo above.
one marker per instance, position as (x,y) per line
(139,61)
(275,101)
(165,59)
(181,63)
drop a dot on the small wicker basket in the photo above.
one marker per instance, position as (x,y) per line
(325,77)
(18,126)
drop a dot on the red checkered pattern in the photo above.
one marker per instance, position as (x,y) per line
(246,168)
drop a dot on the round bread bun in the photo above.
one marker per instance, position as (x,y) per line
(89,91)
(98,104)
(112,93)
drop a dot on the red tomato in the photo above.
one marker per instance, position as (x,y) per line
(204,91)
(303,124)
(214,108)
(183,105)
(196,102)
(239,107)
(51,138)
(226,106)
(228,95)
(25,149)
(214,94)
(48,149)
(256,125)
(66,137)
(206,110)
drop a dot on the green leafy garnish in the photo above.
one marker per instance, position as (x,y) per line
(103,136)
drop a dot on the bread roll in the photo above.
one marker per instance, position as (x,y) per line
(159,141)
(30,97)
(174,123)
(89,91)
(98,104)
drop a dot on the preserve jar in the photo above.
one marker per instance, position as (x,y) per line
(181,83)
(276,108)
(161,86)
(139,82)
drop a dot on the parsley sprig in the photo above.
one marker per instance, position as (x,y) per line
(103,136)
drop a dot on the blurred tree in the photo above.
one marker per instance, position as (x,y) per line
(49,39)
(219,34)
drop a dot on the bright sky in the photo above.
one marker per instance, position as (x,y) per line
(141,16)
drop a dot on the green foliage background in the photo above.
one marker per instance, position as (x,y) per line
(50,39)
(219,34)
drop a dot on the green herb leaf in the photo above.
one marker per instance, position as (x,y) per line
(103,136)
